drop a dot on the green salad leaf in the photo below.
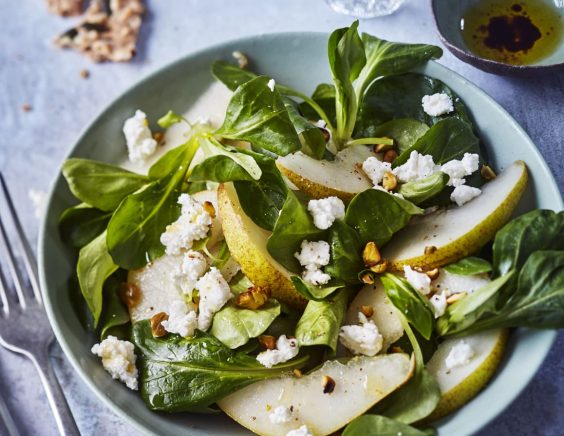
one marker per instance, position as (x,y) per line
(80,224)
(219,169)
(234,326)
(312,138)
(324,98)
(100,185)
(114,314)
(315,293)
(180,374)
(377,425)
(94,266)
(376,215)
(423,190)
(231,75)
(469,266)
(212,147)
(346,253)
(404,131)
(257,114)
(169,119)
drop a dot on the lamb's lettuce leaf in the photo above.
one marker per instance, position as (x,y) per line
(80,224)
(311,137)
(219,169)
(313,292)
(115,315)
(469,266)
(378,425)
(346,253)
(404,131)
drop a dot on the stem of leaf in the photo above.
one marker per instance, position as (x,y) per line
(310,101)
(371,141)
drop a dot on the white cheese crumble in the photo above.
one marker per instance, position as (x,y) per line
(39,200)
(439,303)
(375,169)
(192,225)
(463,194)
(362,339)
(459,355)
(313,256)
(271,84)
(118,358)
(280,415)
(458,169)
(302,431)
(180,320)
(437,104)
(417,167)
(194,265)
(214,293)
(420,281)
(140,142)
(285,350)
(325,211)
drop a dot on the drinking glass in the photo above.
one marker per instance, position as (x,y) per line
(365,8)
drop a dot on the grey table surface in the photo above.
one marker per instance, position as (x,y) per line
(33,145)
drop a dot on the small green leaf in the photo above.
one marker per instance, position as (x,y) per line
(377,425)
(346,253)
(78,225)
(469,266)
(404,131)
(212,147)
(231,75)
(423,190)
(115,313)
(170,119)
(315,293)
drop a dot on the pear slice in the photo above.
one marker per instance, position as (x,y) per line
(460,384)
(323,178)
(247,244)
(359,384)
(385,313)
(459,231)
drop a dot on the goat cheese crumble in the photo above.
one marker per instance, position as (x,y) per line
(214,293)
(302,431)
(118,358)
(138,137)
(420,281)
(459,355)
(180,320)
(458,169)
(271,84)
(437,104)
(325,211)
(192,225)
(362,339)
(285,350)
(417,167)
(375,169)
(280,415)
(439,303)
(313,256)
(463,194)
(194,265)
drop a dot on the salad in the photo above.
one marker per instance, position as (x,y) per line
(308,264)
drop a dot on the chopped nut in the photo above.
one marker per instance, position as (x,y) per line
(390,156)
(455,297)
(130,294)
(433,274)
(380,267)
(242,60)
(268,407)
(371,254)
(26,107)
(396,349)
(65,8)
(367,279)
(156,324)
(379,148)
(254,298)
(430,249)
(267,342)
(85,74)
(159,137)
(390,182)
(487,172)
(328,384)
(367,311)
(325,133)
(297,373)
(208,207)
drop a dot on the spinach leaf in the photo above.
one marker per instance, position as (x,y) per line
(293,226)
(78,225)
(404,131)
(420,191)
(212,147)
(257,114)
(377,425)
(346,59)
(446,140)
(536,230)
(94,266)
(179,374)
(312,138)
(323,97)
(169,119)
(469,266)
(231,75)
(346,253)
(322,320)
(115,313)
(315,293)
(219,169)
(234,326)
(400,97)
(262,199)
(377,215)
(100,185)
(415,307)
(136,226)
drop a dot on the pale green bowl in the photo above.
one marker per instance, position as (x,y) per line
(299,60)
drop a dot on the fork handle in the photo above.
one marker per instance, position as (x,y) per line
(59,406)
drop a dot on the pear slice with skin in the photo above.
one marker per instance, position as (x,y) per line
(457,232)
(322,178)
(460,384)
(359,384)
(247,244)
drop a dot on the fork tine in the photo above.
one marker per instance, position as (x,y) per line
(4,293)
(16,277)
(28,257)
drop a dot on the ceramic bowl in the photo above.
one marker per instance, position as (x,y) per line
(299,60)
(447,15)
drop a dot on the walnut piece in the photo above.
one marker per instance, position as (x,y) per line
(65,8)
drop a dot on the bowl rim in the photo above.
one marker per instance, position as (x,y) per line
(486,64)
(493,410)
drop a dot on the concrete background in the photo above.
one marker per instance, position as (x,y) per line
(33,144)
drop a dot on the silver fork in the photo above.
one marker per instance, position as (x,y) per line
(24,327)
